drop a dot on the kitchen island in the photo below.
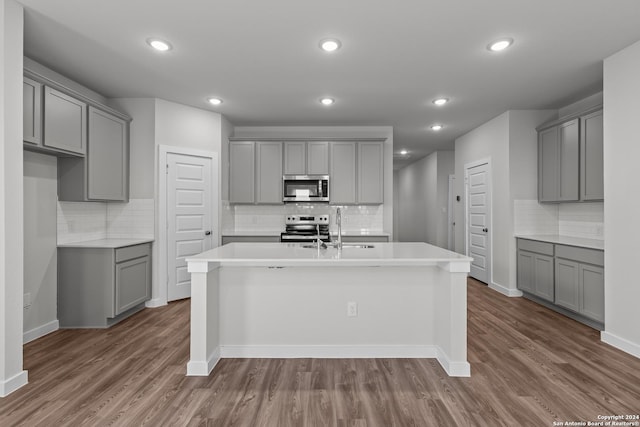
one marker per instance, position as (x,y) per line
(279,300)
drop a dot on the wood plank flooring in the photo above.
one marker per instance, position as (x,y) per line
(529,367)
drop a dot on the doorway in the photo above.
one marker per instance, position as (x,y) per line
(477,179)
(188,205)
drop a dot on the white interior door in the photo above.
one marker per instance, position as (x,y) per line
(479,220)
(189,217)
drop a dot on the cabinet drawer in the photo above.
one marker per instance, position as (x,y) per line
(589,256)
(536,246)
(131,252)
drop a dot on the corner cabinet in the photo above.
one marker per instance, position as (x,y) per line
(570,166)
(100,286)
(567,279)
(103,174)
(255,172)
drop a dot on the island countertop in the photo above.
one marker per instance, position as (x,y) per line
(295,254)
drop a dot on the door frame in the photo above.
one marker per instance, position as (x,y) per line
(467,167)
(451,217)
(160,292)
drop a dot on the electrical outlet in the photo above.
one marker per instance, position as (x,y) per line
(26,300)
(352,309)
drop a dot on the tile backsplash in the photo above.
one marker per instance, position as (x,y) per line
(262,218)
(585,220)
(78,221)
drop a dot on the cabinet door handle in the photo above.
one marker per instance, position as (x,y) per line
(486,230)
(207,233)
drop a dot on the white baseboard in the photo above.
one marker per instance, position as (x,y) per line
(453,369)
(202,368)
(156,302)
(12,384)
(40,331)
(504,290)
(328,351)
(620,343)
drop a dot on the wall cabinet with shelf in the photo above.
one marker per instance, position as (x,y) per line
(570,166)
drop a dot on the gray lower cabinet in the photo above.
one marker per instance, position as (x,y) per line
(579,281)
(250,239)
(363,239)
(535,268)
(103,174)
(98,287)
(569,278)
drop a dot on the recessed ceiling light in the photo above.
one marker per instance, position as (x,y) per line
(499,45)
(440,101)
(159,45)
(215,101)
(404,152)
(327,101)
(330,45)
(436,127)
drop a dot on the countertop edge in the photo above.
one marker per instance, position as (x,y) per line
(114,243)
(579,242)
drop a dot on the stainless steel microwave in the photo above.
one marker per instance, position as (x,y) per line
(305,188)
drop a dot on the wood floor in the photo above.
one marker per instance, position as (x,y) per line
(529,367)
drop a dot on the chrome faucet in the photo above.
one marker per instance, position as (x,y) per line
(321,244)
(339,223)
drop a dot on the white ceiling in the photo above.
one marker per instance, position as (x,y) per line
(263,59)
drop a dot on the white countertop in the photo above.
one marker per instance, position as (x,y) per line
(105,243)
(360,233)
(294,254)
(566,240)
(277,233)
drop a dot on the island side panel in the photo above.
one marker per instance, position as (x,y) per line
(205,319)
(302,311)
(451,317)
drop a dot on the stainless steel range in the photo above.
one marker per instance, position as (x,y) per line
(305,228)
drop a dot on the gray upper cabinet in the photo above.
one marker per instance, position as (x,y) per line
(255,172)
(370,173)
(343,172)
(591,151)
(570,166)
(107,157)
(306,158)
(242,172)
(269,172)
(32,112)
(317,157)
(65,122)
(103,174)
(295,158)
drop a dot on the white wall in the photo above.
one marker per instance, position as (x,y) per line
(303,132)
(12,375)
(622,198)
(40,246)
(422,199)
(509,142)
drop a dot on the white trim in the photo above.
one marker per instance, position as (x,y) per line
(504,290)
(155,303)
(451,217)
(203,369)
(160,294)
(40,331)
(453,368)
(468,166)
(620,343)
(12,384)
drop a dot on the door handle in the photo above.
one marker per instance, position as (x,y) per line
(486,230)
(207,233)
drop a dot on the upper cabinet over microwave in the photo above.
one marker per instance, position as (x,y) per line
(305,188)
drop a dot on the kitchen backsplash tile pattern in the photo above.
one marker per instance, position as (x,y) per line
(246,218)
(585,220)
(78,221)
